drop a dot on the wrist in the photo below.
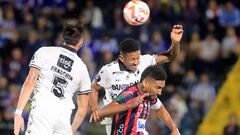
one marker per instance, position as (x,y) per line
(18,112)
(94,108)
(175,42)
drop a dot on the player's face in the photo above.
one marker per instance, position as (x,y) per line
(155,87)
(131,60)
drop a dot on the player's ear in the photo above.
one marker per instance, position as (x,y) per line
(121,58)
(144,83)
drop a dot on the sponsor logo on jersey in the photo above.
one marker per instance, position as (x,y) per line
(123,86)
(65,62)
(141,125)
(120,129)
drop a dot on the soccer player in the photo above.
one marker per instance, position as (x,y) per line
(127,70)
(56,73)
(132,107)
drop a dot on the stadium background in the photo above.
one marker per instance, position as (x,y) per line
(200,75)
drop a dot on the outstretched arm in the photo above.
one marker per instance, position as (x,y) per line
(114,108)
(163,114)
(174,50)
(26,92)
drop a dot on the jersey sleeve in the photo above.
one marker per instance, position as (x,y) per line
(85,83)
(37,60)
(121,98)
(103,77)
(149,59)
(156,103)
(127,95)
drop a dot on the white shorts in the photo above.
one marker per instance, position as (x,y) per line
(108,123)
(48,121)
(109,129)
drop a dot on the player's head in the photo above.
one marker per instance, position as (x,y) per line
(73,34)
(153,80)
(130,53)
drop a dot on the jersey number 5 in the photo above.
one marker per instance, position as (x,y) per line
(58,86)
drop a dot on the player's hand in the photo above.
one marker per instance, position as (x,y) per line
(18,124)
(175,132)
(136,101)
(95,116)
(176,34)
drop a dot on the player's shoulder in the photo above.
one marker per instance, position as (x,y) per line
(128,94)
(46,49)
(129,90)
(111,66)
(146,56)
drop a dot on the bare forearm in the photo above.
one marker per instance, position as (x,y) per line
(78,119)
(173,51)
(166,118)
(94,99)
(95,88)
(26,92)
(114,108)
(82,101)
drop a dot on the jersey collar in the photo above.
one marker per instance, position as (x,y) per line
(122,66)
(68,48)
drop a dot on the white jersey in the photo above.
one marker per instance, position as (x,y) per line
(62,73)
(114,78)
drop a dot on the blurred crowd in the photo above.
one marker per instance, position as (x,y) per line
(209,49)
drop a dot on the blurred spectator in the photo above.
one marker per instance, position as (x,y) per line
(16,66)
(208,54)
(105,44)
(204,92)
(26,25)
(189,80)
(156,44)
(232,128)
(94,17)
(33,43)
(7,122)
(229,47)
(212,11)
(229,15)
(71,10)
(8,24)
(194,45)
(175,74)
(43,28)
(180,106)
(191,17)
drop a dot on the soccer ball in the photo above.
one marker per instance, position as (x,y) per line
(136,12)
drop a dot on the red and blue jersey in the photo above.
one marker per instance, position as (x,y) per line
(132,121)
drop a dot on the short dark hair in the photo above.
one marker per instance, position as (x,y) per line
(72,32)
(156,72)
(129,45)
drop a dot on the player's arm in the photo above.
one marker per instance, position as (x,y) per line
(163,114)
(114,107)
(82,102)
(94,98)
(174,50)
(25,94)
